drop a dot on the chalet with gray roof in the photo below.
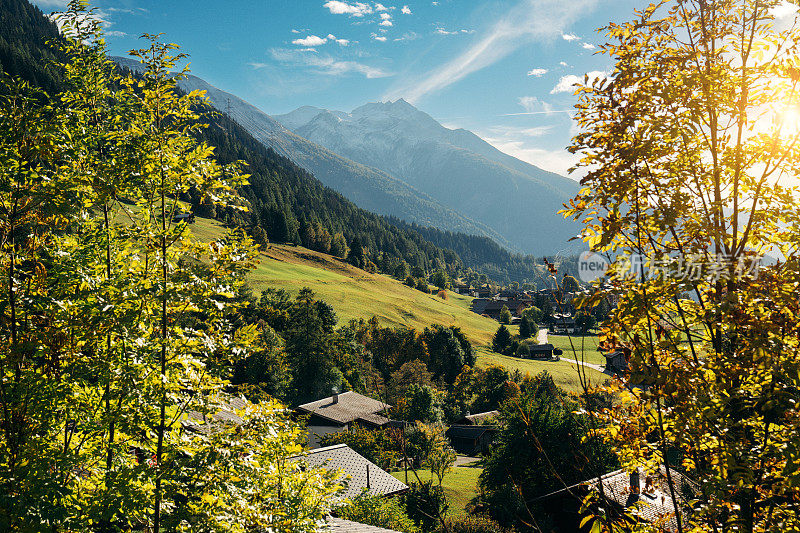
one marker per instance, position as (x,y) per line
(341,411)
(358,473)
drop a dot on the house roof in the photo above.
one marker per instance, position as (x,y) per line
(340,525)
(200,423)
(541,347)
(349,407)
(469,432)
(656,503)
(373,419)
(469,420)
(354,467)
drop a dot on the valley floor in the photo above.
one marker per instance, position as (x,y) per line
(357,294)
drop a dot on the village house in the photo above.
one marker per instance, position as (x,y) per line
(358,473)
(471,440)
(647,496)
(339,412)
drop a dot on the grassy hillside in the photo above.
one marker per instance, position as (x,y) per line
(354,293)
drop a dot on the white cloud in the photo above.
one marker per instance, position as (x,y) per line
(381,7)
(326,65)
(441,31)
(588,46)
(408,36)
(311,40)
(514,131)
(533,105)
(405,10)
(115,33)
(386,23)
(569,37)
(529,21)
(256,65)
(386,16)
(356,9)
(784,10)
(563,63)
(537,72)
(295,31)
(558,161)
(377,37)
(567,83)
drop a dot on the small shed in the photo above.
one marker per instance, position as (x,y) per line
(616,362)
(471,440)
(542,351)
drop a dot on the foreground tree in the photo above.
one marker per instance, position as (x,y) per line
(691,147)
(117,321)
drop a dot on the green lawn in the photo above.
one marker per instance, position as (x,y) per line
(460,485)
(585,344)
(564,374)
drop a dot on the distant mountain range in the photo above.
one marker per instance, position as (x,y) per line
(393,159)
(454,166)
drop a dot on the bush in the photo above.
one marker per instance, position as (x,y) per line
(474,524)
(442,294)
(410,281)
(382,447)
(378,512)
(422,285)
(425,503)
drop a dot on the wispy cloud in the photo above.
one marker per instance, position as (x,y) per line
(356,9)
(588,46)
(441,31)
(529,21)
(115,33)
(408,36)
(537,72)
(567,83)
(376,37)
(325,65)
(569,37)
(532,103)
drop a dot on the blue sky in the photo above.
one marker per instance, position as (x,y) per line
(501,68)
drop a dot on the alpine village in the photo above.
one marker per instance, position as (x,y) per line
(583,317)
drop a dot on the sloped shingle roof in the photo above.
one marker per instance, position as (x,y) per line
(349,407)
(477,417)
(354,466)
(340,525)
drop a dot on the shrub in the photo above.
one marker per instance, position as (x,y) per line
(424,503)
(474,524)
(378,512)
(442,294)
(422,285)
(410,281)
